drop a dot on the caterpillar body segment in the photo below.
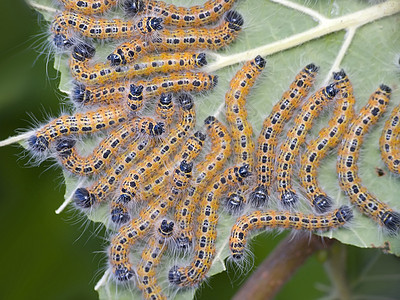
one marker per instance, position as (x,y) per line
(328,138)
(68,23)
(151,257)
(89,7)
(107,183)
(143,90)
(295,137)
(272,127)
(206,170)
(206,232)
(86,73)
(282,219)
(77,124)
(155,186)
(347,169)
(179,40)
(128,234)
(195,16)
(389,142)
(157,158)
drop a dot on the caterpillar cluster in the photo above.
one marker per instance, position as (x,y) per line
(148,167)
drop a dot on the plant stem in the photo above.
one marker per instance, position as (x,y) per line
(279,266)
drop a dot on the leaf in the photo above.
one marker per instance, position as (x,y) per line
(287,32)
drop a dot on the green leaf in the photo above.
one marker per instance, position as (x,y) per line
(274,29)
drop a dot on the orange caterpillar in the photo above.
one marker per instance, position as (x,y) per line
(142,90)
(66,23)
(160,155)
(101,189)
(206,170)
(389,142)
(151,257)
(206,233)
(285,220)
(273,126)
(79,123)
(327,138)
(94,163)
(179,40)
(347,168)
(155,185)
(127,235)
(160,63)
(89,7)
(295,137)
(236,115)
(194,16)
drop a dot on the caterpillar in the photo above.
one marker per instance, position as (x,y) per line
(129,187)
(236,114)
(206,170)
(155,185)
(389,141)
(327,139)
(111,93)
(127,235)
(79,123)
(295,137)
(195,16)
(98,192)
(101,156)
(151,257)
(89,7)
(347,168)
(273,125)
(282,219)
(161,63)
(67,22)
(206,233)
(179,40)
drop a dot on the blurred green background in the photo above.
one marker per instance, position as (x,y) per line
(49,256)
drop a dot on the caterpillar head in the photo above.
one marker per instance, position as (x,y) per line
(391,221)
(234,19)
(344,214)
(119,215)
(64,147)
(200,59)
(185,101)
(258,197)
(133,7)
(260,62)
(38,143)
(79,94)
(289,198)
(322,203)
(158,129)
(234,203)
(83,198)
(82,52)
(166,228)
(330,90)
(123,274)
